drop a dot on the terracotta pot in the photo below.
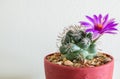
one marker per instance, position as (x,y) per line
(54,71)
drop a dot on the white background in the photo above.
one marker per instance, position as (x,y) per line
(29,29)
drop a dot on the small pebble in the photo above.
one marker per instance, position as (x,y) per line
(64,59)
(60,63)
(76,64)
(68,63)
(107,60)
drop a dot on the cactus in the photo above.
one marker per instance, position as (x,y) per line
(76,44)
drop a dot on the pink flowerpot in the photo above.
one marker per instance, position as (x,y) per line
(54,71)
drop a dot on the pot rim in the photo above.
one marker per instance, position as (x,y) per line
(68,67)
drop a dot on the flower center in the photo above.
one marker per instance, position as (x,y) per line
(98,27)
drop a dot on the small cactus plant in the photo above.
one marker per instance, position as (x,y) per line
(80,44)
(77,44)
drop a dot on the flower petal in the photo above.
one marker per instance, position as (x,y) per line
(90,19)
(109,21)
(111,32)
(89,30)
(85,23)
(96,19)
(110,25)
(105,19)
(100,17)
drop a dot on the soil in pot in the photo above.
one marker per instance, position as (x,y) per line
(100,59)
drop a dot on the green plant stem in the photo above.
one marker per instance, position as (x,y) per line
(96,39)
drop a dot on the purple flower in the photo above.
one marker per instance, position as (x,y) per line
(99,25)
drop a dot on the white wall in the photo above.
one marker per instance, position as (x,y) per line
(29,29)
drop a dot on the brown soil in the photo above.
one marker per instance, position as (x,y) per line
(100,59)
